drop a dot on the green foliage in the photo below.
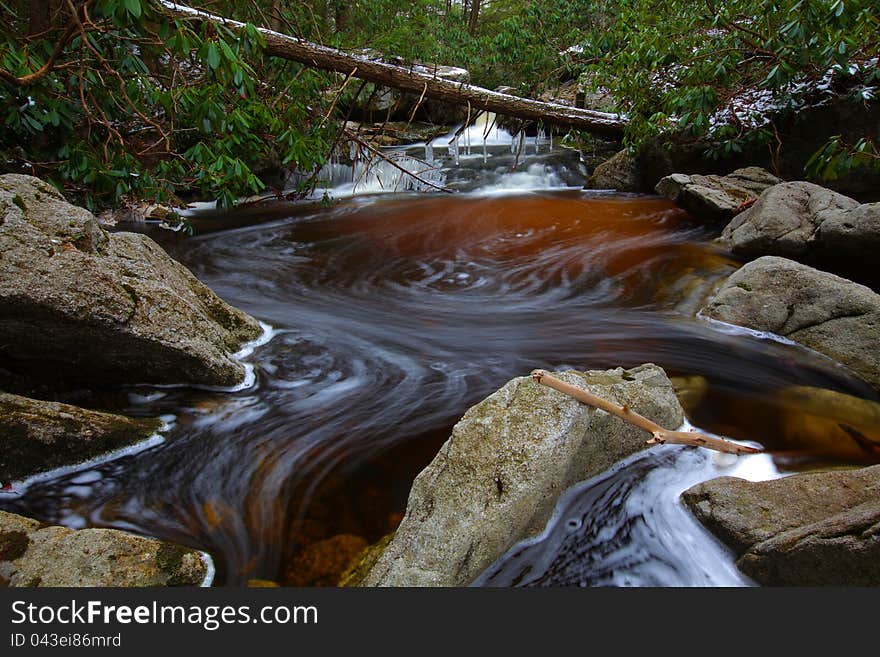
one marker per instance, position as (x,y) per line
(837,158)
(717,69)
(137,105)
(146,107)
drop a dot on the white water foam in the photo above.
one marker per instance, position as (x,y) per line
(18,488)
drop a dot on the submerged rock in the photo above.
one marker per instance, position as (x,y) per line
(497,479)
(79,305)
(830,314)
(36,436)
(716,197)
(324,563)
(35,554)
(804,530)
(809,223)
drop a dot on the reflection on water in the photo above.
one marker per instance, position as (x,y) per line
(391,317)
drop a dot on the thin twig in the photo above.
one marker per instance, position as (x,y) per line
(375,151)
(625,413)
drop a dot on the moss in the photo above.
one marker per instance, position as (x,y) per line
(35,582)
(19,201)
(13,545)
(169,558)
(362,564)
(744,286)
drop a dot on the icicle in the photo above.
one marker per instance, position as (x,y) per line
(551,141)
(485,152)
(453,149)
(429,152)
(467,141)
(513,143)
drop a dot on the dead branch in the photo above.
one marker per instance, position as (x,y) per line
(375,151)
(625,413)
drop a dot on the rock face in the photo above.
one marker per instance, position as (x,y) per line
(806,222)
(37,435)
(804,530)
(618,173)
(35,554)
(80,305)
(716,197)
(832,315)
(496,480)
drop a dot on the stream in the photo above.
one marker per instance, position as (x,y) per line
(390,315)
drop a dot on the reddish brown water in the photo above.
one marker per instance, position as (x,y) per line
(392,317)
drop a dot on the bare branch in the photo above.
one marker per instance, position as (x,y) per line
(659,435)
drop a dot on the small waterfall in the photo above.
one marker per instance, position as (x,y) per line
(376,174)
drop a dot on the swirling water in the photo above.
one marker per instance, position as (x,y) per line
(391,316)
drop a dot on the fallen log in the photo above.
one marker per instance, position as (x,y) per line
(424,84)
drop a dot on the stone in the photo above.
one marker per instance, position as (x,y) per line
(36,436)
(714,197)
(808,223)
(34,554)
(618,173)
(81,306)
(323,563)
(813,529)
(497,478)
(824,312)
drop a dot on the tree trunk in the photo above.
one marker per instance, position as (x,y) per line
(38,16)
(475,12)
(417,82)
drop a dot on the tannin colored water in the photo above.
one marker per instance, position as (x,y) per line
(393,315)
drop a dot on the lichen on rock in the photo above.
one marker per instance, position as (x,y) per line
(50,555)
(496,480)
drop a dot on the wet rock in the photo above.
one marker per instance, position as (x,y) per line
(81,306)
(828,423)
(830,314)
(808,223)
(324,562)
(619,173)
(36,436)
(497,478)
(716,197)
(35,554)
(804,530)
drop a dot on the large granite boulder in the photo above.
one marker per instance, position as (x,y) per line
(804,530)
(79,305)
(36,436)
(713,197)
(830,314)
(811,224)
(619,173)
(35,554)
(497,479)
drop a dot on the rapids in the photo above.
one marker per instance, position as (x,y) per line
(391,315)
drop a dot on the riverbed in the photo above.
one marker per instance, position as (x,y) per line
(387,317)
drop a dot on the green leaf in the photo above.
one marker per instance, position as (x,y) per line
(213,56)
(133,7)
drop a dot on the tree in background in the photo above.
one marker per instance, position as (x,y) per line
(719,71)
(112,99)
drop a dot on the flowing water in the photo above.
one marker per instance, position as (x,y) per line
(390,316)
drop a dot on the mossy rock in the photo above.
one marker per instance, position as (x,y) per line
(36,436)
